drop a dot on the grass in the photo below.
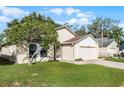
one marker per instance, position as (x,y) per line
(115,59)
(60,74)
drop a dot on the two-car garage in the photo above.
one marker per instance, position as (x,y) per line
(84,47)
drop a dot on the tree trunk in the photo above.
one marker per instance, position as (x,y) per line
(119,51)
(35,54)
(54,53)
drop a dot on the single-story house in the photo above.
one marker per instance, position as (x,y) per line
(72,47)
(107,47)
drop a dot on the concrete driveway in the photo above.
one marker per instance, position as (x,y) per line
(101,62)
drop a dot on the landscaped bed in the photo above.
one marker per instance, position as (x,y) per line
(5,61)
(114,59)
(60,74)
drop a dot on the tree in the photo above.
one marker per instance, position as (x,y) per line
(2,38)
(32,27)
(102,27)
(81,31)
(78,29)
(117,34)
(106,27)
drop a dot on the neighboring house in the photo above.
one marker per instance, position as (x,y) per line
(121,48)
(107,47)
(72,47)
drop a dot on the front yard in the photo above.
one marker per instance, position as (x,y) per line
(60,74)
(115,59)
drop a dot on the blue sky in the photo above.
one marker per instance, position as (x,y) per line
(82,15)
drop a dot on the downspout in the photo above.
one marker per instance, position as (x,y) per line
(61,52)
(16,55)
(73,50)
(54,50)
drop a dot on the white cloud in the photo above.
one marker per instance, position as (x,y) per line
(13,11)
(81,21)
(86,14)
(4,19)
(57,11)
(44,11)
(121,25)
(84,21)
(81,15)
(82,18)
(70,11)
(72,21)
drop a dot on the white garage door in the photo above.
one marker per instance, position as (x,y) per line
(88,53)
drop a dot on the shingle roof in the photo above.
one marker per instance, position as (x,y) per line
(105,42)
(77,39)
(74,39)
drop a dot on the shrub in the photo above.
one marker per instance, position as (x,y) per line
(79,59)
(122,54)
(101,57)
(116,55)
(53,61)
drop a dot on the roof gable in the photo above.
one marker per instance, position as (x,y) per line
(68,29)
(104,42)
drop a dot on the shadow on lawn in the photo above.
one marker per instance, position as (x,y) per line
(4,61)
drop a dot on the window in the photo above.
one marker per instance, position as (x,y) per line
(43,53)
(32,49)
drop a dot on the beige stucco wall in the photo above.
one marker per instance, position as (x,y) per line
(103,52)
(113,49)
(8,51)
(21,53)
(23,57)
(67,52)
(64,34)
(109,50)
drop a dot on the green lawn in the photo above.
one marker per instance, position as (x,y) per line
(60,74)
(115,59)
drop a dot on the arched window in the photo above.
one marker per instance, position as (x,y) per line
(32,49)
